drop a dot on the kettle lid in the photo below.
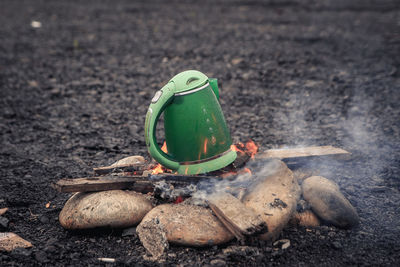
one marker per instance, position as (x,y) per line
(188,80)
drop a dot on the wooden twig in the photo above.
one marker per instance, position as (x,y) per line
(137,183)
(91,184)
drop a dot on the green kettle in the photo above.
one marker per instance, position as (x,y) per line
(196,134)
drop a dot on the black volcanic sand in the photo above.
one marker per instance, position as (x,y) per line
(75,91)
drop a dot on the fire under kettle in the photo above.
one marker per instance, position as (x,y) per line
(196,134)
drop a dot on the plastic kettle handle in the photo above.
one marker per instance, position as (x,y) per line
(159,102)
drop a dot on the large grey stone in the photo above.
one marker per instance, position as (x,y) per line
(114,208)
(328,202)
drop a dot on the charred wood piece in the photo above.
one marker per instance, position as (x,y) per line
(136,183)
(237,218)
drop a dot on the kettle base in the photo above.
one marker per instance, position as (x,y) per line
(208,166)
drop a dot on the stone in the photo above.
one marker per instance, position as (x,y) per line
(114,208)
(3,211)
(189,225)
(283,243)
(11,241)
(4,222)
(274,197)
(41,257)
(21,252)
(131,231)
(153,236)
(132,160)
(306,219)
(217,262)
(328,203)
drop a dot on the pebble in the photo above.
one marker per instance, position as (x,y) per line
(283,243)
(217,262)
(129,231)
(132,160)
(41,257)
(328,202)
(43,219)
(337,245)
(4,222)
(21,252)
(114,208)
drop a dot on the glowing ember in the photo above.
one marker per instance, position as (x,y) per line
(251,148)
(246,170)
(178,200)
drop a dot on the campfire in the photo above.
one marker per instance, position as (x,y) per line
(200,190)
(256,196)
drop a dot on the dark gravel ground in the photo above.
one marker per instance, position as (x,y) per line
(74,94)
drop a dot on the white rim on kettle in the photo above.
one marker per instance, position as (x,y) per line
(193,91)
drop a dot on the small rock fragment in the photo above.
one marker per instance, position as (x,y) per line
(306,219)
(114,208)
(218,262)
(283,243)
(36,24)
(132,160)
(4,223)
(41,256)
(107,260)
(336,245)
(153,236)
(131,231)
(21,252)
(3,210)
(11,241)
(328,202)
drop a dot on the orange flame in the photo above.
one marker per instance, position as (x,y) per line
(164,147)
(205,146)
(158,169)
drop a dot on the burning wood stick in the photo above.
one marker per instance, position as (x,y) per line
(238,219)
(304,152)
(137,183)
(91,184)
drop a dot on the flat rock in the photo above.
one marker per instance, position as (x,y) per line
(132,160)
(11,241)
(188,225)
(328,202)
(274,197)
(114,208)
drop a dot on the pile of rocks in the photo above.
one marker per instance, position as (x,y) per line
(275,198)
